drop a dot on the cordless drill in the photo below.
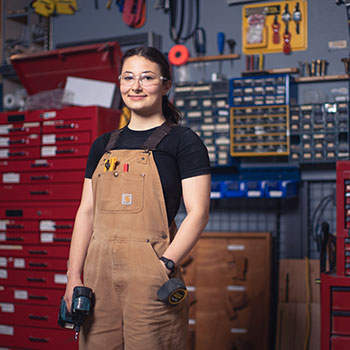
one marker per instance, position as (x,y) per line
(81,303)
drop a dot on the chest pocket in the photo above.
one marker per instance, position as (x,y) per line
(122,193)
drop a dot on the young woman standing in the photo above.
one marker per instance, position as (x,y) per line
(124,238)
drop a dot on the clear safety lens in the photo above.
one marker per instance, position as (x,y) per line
(146,79)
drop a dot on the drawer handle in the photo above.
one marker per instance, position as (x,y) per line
(67,126)
(14,226)
(39,193)
(33,279)
(38,264)
(14,142)
(68,138)
(61,239)
(45,177)
(42,318)
(65,151)
(17,129)
(14,239)
(38,252)
(17,154)
(62,226)
(39,340)
(34,165)
(37,297)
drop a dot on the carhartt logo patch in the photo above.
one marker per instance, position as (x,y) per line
(126,198)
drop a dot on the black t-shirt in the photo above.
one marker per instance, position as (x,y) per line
(180,155)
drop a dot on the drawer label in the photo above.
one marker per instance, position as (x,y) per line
(6,330)
(60,278)
(49,139)
(235,247)
(3,273)
(13,178)
(19,263)
(3,261)
(46,237)
(7,307)
(21,294)
(47,225)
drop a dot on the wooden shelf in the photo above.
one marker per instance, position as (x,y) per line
(213,58)
(322,78)
(288,70)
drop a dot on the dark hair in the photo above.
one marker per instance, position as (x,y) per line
(171,113)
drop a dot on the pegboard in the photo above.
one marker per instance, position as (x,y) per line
(263,28)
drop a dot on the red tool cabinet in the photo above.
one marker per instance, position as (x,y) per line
(335,287)
(42,163)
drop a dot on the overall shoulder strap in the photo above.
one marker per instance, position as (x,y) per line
(157,136)
(115,135)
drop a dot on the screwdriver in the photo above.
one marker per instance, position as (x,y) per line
(221,46)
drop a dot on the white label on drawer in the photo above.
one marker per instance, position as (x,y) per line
(49,139)
(191,288)
(238,330)
(19,263)
(48,151)
(215,195)
(3,273)
(3,261)
(236,288)
(235,247)
(2,236)
(191,321)
(7,330)
(275,194)
(254,194)
(4,129)
(4,153)
(11,247)
(48,115)
(47,225)
(31,125)
(13,178)
(4,141)
(46,237)
(3,224)
(21,294)
(61,279)
(7,307)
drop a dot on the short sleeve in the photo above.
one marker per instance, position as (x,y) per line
(192,156)
(95,154)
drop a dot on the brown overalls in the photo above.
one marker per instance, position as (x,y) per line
(130,233)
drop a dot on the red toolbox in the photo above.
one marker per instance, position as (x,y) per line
(43,155)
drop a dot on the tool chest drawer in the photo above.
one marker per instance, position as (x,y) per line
(17,250)
(64,151)
(31,278)
(36,238)
(43,164)
(340,342)
(37,338)
(43,177)
(67,138)
(27,315)
(34,263)
(16,116)
(30,296)
(20,129)
(22,152)
(63,125)
(341,323)
(341,299)
(42,210)
(14,141)
(15,193)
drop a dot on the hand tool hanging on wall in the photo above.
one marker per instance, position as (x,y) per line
(276,31)
(221,47)
(286,17)
(297,18)
(178,55)
(231,44)
(134,13)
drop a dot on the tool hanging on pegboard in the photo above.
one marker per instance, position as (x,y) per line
(47,8)
(286,18)
(134,13)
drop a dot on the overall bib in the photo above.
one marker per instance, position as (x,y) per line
(122,266)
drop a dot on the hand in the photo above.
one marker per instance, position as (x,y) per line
(72,282)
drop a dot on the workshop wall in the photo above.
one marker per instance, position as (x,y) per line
(326,22)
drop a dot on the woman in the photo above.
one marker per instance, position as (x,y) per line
(124,234)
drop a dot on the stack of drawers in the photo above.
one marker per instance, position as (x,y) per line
(42,163)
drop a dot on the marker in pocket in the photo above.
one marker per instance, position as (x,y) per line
(126,167)
(113,164)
